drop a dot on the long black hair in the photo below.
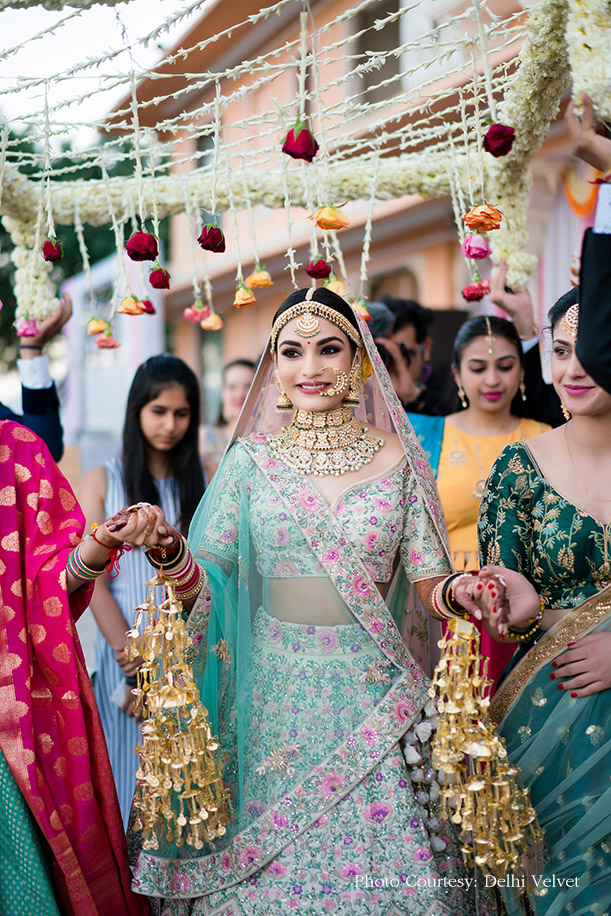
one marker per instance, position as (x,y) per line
(151,378)
(325,297)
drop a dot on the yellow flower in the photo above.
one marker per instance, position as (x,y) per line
(130,306)
(213,322)
(330,218)
(96,326)
(337,286)
(258,279)
(243,298)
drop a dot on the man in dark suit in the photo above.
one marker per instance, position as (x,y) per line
(594,333)
(39,401)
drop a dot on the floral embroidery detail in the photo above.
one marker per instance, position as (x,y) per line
(279,760)
(375,673)
(221,649)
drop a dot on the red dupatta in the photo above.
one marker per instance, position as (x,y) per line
(50,731)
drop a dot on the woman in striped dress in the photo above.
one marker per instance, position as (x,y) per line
(159,464)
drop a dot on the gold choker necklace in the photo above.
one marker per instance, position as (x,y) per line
(325,442)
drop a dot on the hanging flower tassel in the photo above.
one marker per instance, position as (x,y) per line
(328,218)
(159,277)
(481,793)
(180,794)
(212,238)
(318,269)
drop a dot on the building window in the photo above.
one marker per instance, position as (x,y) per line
(372,45)
(400,284)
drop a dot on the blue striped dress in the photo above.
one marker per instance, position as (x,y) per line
(128,590)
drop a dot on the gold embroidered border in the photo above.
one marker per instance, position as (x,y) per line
(578,622)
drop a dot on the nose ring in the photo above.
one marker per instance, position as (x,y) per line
(341,382)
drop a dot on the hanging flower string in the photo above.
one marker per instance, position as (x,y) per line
(52,248)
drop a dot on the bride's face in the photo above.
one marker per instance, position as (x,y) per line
(310,368)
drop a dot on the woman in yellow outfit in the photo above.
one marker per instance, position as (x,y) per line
(462,447)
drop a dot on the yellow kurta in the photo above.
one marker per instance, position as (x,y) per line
(464,465)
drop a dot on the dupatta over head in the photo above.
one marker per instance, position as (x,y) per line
(50,732)
(276,552)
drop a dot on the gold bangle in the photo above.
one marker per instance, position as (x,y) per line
(196,588)
(533,625)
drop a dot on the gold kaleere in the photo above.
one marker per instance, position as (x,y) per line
(179,785)
(481,792)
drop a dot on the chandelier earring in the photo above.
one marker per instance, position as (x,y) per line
(565,413)
(283,403)
(353,397)
(341,382)
(523,390)
(461,395)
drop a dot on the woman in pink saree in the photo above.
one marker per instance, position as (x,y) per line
(62,846)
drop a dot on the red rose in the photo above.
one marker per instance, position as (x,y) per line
(212,238)
(142,246)
(318,269)
(499,140)
(52,250)
(473,292)
(299,143)
(159,278)
(148,306)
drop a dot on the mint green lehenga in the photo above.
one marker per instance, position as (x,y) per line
(561,744)
(315,698)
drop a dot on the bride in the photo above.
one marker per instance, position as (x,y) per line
(306,546)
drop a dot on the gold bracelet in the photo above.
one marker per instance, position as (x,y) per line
(196,588)
(534,625)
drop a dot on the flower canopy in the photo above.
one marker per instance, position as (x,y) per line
(367,124)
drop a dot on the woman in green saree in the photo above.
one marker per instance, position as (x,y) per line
(546,513)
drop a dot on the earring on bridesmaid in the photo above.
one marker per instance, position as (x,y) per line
(565,412)
(283,403)
(523,390)
(461,394)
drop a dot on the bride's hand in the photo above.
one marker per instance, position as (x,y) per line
(522,600)
(586,664)
(139,525)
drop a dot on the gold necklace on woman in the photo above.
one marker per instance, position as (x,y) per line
(598,499)
(325,443)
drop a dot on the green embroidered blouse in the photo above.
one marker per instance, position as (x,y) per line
(525,524)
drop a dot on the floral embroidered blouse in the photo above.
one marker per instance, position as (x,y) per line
(525,524)
(380,516)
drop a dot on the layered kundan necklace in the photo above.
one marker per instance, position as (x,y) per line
(325,443)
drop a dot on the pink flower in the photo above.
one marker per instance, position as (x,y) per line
(249,856)
(403,711)
(283,537)
(274,632)
(371,541)
(415,557)
(351,870)
(329,640)
(378,811)
(422,854)
(332,784)
(180,883)
(369,734)
(475,247)
(331,556)
(276,868)
(26,327)
(360,586)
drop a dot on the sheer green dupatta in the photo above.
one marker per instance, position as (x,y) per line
(250,486)
(562,745)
